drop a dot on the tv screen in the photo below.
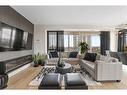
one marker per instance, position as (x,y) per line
(5,37)
(24,41)
(14,39)
(17,44)
(29,41)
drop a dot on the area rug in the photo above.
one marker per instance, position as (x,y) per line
(85,76)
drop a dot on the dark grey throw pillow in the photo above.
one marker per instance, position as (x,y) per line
(73,54)
(90,57)
(53,55)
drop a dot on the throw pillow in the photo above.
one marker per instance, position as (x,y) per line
(73,54)
(53,55)
(108,59)
(90,57)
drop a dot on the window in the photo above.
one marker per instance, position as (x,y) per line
(52,40)
(71,42)
(66,42)
(95,43)
(55,41)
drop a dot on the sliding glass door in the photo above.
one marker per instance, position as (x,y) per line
(55,41)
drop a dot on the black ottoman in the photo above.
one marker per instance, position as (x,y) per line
(51,81)
(74,81)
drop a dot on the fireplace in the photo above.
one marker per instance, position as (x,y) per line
(17,62)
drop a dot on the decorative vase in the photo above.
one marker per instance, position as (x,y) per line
(43,63)
(35,64)
(60,63)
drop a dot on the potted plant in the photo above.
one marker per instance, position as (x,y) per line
(43,58)
(39,59)
(60,63)
(84,47)
(35,60)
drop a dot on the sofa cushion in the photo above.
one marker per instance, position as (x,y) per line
(90,57)
(115,55)
(73,59)
(64,54)
(108,59)
(73,54)
(89,64)
(53,55)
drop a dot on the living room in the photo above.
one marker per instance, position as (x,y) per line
(82,47)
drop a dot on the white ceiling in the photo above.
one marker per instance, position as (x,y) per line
(74,15)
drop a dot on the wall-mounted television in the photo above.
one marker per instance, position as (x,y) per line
(14,39)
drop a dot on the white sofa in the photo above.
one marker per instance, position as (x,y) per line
(104,69)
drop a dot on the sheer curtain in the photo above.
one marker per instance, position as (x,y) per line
(71,41)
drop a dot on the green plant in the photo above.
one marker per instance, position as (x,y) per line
(39,59)
(60,63)
(44,57)
(84,47)
(35,60)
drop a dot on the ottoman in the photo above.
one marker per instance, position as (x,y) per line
(51,81)
(74,81)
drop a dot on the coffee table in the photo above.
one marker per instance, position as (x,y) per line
(65,69)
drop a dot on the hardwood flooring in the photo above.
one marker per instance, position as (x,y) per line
(22,79)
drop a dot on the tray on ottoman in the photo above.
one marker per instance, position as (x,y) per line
(74,81)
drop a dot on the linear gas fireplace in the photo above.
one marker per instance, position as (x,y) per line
(16,63)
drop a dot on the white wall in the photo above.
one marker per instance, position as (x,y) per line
(113,40)
(40,35)
(40,39)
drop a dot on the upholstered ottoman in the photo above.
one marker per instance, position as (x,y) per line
(74,81)
(51,81)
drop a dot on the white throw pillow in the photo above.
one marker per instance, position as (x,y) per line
(102,58)
(108,59)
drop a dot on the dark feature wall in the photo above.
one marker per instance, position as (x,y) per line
(16,58)
(11,17)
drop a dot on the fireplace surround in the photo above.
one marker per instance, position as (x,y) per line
(16,63)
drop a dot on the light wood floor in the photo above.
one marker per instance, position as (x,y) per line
(22,79)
